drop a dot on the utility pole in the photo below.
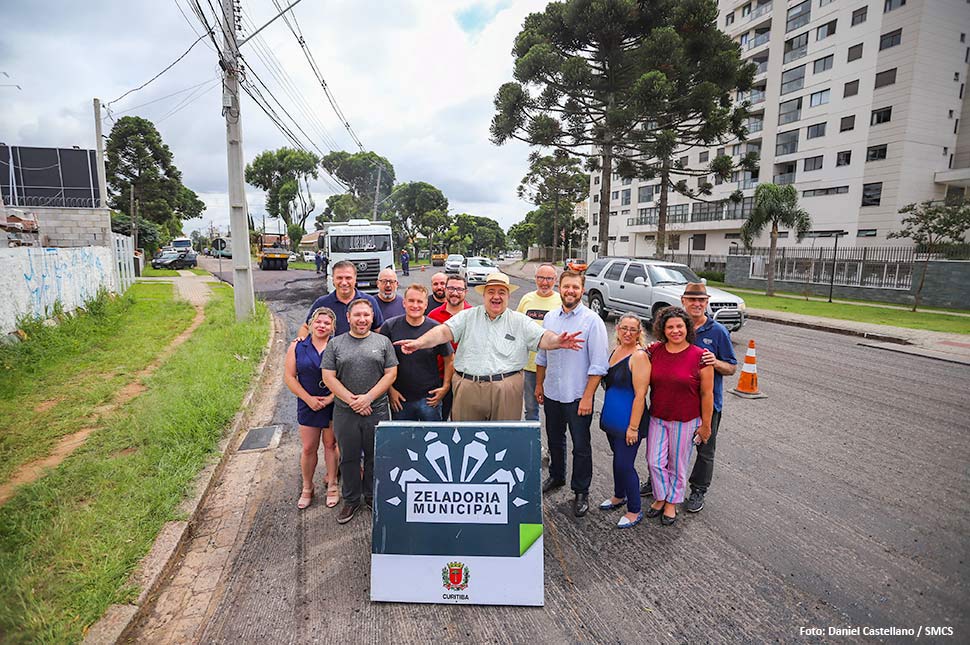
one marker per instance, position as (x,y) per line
(231,109)
(102,176)
(377,190)
(133,214)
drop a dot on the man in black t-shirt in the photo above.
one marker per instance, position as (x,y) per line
(419,388)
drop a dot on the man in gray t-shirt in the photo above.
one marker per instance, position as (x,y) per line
(358,367)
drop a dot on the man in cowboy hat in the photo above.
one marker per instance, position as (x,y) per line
(714,338)
(493,347)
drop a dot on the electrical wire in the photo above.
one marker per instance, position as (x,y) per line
(167,96)
(191,98)
(170,66)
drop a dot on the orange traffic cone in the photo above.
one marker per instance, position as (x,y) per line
(748,383)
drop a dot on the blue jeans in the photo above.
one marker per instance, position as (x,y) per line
(626,481)
(418,410)
(529,396)
(559,416)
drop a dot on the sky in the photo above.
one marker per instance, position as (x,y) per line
(414,78)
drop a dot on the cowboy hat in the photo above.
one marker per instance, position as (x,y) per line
(499,279)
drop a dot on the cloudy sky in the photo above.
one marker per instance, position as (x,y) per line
(415,79)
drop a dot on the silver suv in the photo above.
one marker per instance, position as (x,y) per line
(644,287)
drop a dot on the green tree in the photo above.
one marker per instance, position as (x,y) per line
(359,172)
(433,225)
(523,234)
(149,233)
(341,208)
(295,232)
(410,205)
(555,180)
(577,65)
(136,159)
(694,71)
(774,206)
(930,224)
(285,176)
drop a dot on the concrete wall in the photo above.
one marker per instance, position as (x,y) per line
(73,227)
(33,279)
(947,284)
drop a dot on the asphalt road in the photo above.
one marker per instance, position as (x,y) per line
(838,501)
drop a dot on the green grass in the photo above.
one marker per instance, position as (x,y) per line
(924,320)
(309,266)
(200,272)
(149,272)
(51,384)
(69,541)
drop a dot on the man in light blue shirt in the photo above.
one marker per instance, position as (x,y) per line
(566,385)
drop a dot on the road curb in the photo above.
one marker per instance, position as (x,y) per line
(885,338)
(157,564)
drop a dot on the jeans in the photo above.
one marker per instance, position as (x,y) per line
(418,410)
(529,396)
(700,477)
(559,416)
(446,403)
(626,481)
(355,434)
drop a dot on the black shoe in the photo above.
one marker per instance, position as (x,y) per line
(646,490)
(552,484)
(369,501)
(347,512)
(653,512)
(580,504)
(668,521)
(695,502)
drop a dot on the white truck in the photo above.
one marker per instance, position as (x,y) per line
(365,243)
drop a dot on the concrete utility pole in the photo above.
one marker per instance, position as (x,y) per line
(242,282)
(377,190)
(102,176)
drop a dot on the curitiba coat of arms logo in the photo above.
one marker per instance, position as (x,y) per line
(455,576)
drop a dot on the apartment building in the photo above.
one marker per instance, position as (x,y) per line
(861,104)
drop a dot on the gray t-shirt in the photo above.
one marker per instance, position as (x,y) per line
(359,363)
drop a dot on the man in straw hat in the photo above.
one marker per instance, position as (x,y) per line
(715,339)
(493,347)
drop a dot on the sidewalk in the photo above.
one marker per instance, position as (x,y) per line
(946,347)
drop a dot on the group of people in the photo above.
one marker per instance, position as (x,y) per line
(424,356)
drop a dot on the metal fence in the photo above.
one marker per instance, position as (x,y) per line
(698,261)
(124,252)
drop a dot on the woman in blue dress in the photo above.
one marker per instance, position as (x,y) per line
(624,417)
(314,405)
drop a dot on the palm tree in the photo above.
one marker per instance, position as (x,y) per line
(776,206)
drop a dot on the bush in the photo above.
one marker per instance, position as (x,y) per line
(712,276)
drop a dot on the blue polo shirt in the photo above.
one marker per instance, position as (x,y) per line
(714,336)
(391,309)
(340,309)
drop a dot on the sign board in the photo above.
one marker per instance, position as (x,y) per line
(457,513)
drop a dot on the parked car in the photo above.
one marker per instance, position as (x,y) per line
(309,256)
(644,287)
(293,257)
(476,270)
(575,264)
(438,259)
(175,260)
(453,263)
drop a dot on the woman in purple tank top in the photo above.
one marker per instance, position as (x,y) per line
(681,405)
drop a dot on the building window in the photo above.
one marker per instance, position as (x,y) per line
(847,123)
(851,89)
(823,64)
(855,52)
(732,236)
(673,242)
(956,126)
(729,19)
(885,78)
(843,158)
(596,179)
(815,131)
(624,238)
(871,194)
(786,142)
(782,235)
(876,153)
(813,163)
(720,152)
(892,4)
(612,213)
(826,30)
(882,115)
(704,156)
(645,194)
(798,16)
(859,16)
(596,197)
(683,162)
(891,39)
(615,194)
(819,98)
(866,232)
(823,192)
(796,48)
(699,241)
(627,181)
(793,80)
(625,198)
(789,111)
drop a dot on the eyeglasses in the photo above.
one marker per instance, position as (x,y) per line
(387,281)
(456,289)
(542,278)
(629,330)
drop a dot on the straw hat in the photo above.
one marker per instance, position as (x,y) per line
(497,279)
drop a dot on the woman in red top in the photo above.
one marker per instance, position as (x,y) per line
(681,404)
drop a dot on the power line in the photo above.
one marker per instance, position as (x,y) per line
(170,66)
(167,96)
(188,100)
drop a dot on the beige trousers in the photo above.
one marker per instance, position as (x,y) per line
(487,400)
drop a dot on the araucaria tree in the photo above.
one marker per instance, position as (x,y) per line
(557,182)
(775,206)
(136,159)
(285,176)
(930,224)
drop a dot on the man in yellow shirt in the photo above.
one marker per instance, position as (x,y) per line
(535,305)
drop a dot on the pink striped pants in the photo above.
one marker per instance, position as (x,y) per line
(669,445)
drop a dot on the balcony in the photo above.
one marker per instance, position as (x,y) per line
(760,11)
(755,125)
(795,54)
(760,68)
(781,180)
(747,184)
(758,41)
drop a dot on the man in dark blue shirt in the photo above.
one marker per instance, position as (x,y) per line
(344,292)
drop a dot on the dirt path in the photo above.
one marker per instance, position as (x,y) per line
(191,288)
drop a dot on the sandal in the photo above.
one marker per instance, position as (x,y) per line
(305,498)
(333,495)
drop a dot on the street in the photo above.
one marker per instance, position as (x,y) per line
(838,501)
